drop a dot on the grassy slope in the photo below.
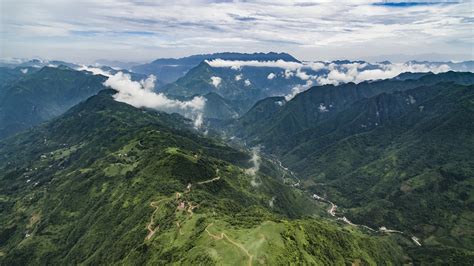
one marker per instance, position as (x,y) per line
(85,187)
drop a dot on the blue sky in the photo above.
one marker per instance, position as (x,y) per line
(141,30)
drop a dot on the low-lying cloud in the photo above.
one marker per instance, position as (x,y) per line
(141,95)
(252,171)
(357,72)
(309,74)
(215,81)
(238,64)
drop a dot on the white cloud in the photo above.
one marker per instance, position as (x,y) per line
(316,66)
(323,73)
(322,108)
(252,171)
(288,74)
(323,30)
(352,73)
(302,75)
(24,70)
(140,94)
(215,81)
(298,89)
(280,103)
(238,64)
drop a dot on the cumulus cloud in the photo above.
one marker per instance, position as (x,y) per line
(280,103)
(215,81)
(316,66)
(298,89)
(322,108)
(24,70)
(302,75)
(247,83)
(140,94)
(271,76)
(288,74)
(238,77)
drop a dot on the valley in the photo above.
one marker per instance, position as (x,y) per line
(236,132)
(334,174)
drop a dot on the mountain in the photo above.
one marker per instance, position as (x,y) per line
(133,76)
(199,81)
(10,75)
(408,167)
(106,174)
(170,69)
(250,81)
(219,108)
(116,63)
(320,103)
(41,95)
(394,153)
(35,63)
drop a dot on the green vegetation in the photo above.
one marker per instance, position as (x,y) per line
(107,183)
(401,159)
(39,95)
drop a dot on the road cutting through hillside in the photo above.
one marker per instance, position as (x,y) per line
(177,196)
(382,229)
(189,210)
(332,209)
(223,235)
(149,226)
(212,179)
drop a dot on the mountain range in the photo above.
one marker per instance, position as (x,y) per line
(28,98)
(140,181)
(171,69)
(321,163)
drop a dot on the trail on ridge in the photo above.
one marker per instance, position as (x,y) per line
(223,235)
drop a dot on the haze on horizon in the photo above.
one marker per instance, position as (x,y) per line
(141,30)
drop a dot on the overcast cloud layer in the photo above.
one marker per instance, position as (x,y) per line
(311,30)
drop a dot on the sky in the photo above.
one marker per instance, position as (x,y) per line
(141,30)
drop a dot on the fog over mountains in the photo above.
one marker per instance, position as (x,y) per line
(187,85)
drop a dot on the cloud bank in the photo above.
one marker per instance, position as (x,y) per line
(324,73)
(238,64)
(140,94)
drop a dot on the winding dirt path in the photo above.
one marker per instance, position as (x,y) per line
(149,227)
(177,195)
(211,180)
(223,235)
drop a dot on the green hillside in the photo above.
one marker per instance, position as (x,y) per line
(400,159)
(322,103)
(107,183)
(42,95)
